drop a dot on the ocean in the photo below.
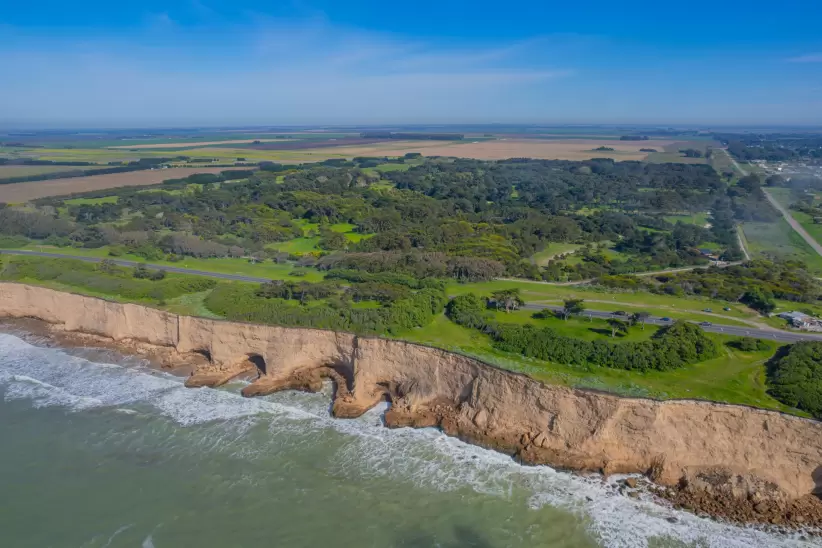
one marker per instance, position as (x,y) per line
(99,450)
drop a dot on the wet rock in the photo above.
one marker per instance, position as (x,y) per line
(631,482)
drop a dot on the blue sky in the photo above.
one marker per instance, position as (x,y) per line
(208,62)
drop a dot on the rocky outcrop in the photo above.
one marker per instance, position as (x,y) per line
(761,459)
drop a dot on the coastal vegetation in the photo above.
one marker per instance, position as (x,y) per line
(379,245)
(795,377)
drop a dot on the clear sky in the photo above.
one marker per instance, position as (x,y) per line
(220,62)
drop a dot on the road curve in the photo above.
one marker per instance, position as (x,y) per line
(773,335)
(794,223)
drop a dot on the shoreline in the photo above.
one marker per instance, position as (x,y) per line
(44,334)
(474,402)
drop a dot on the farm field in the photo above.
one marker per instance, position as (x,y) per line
(23,192)
(670,153)
(195,143)
(567,149)
(7,171)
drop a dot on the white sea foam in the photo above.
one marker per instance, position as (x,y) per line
(428,458)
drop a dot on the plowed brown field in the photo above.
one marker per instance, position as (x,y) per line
(23,192)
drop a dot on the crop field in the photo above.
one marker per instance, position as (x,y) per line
(568,149)
(7,171)
(670,152)
(23,192)
(195,143)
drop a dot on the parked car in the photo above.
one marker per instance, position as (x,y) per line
(727,309)
(708,310)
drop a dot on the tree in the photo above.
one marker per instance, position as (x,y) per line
(759,299)
(617,326)
(507,299)
(640,317)
(572,306)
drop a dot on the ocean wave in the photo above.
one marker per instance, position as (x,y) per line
(49,377)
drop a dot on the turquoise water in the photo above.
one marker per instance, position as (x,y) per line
(101,451)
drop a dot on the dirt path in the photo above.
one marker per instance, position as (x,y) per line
(794,223)
(741,238)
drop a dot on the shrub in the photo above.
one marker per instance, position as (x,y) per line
(795,377)
(749,344)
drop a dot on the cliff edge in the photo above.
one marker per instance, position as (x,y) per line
(769,464)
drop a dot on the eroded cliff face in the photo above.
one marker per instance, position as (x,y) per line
(727,450)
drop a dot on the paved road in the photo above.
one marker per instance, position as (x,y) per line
(793,222)
(774,335)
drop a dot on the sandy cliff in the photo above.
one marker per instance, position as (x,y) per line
(761,458)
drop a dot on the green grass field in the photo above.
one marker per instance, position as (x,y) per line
(699,219)
(781,241)
(686,308)
(786,197)
(297,245)
(552,250)
(735,377)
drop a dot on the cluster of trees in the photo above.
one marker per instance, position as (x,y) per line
(773,147)
(795,377)
(418,264)
(756,283)
(672,347)
(329,305)
(470,219)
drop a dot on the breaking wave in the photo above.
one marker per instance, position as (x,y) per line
(48,377)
